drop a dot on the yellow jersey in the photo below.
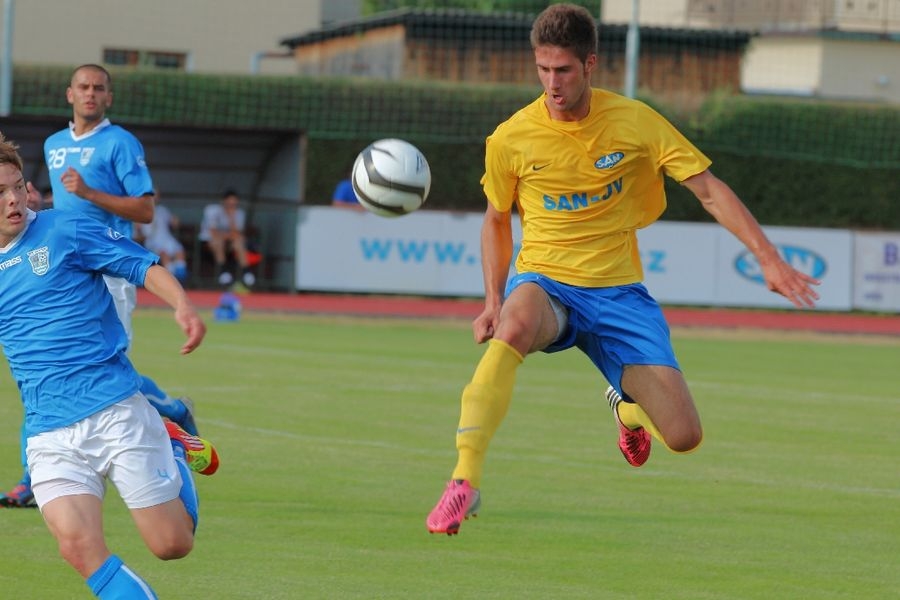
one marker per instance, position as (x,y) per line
(584,188)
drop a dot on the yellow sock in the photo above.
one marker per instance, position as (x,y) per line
(633,416)
(485,402)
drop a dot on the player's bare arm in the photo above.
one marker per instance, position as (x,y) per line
(496,252)
(134,208)
(163,284)
(722,203)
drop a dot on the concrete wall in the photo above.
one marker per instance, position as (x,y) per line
(828,68)
(765,15)
(767,69)
(219,37)
(861,70)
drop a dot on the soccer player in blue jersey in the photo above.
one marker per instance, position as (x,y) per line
(585,168)
(86,420)
(98,169)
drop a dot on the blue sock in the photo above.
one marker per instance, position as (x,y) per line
(115,581)
(188,493)
(167,406)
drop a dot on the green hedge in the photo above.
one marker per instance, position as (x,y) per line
(794,162)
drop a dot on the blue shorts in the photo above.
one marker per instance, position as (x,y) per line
(613,326)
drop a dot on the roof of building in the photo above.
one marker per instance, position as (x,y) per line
(470,25)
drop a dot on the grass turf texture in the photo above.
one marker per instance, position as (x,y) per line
(337,435)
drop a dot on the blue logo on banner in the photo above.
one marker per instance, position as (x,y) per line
(804,260)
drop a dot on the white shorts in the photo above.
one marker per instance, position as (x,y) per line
(124,295)
(126,443)
(164,245)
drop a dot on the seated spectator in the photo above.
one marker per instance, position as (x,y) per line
(344,197)
(157,237)
(222,230)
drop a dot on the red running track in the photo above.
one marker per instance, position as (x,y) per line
(404,306)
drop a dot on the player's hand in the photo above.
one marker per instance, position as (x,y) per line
(192,326)
(485,324)
(74,184)
(783,279)
(33,198)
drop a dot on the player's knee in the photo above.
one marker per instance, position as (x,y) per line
(172,547)
(72,556)
(174,551)
(81,551)
(520,332)
(685,439)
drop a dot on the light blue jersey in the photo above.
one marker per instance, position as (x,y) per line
(67,362)
(109,159)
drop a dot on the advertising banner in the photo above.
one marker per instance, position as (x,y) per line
(426,252)
(825,254)
(437,253)
(876,282)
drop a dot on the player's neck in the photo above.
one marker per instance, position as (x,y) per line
(83,126)
(578,111)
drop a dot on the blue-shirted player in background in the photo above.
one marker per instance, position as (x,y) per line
(86,420)
(98,169)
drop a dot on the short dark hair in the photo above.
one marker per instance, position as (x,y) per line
(9,154)
(229,192)
(566,26)
(93,67)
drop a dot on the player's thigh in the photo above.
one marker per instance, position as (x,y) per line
(76,522)
(167,529)
(528,322)
(664,395)
(74,516)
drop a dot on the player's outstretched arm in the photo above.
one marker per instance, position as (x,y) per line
(496,252)
(163,284)
(722,203)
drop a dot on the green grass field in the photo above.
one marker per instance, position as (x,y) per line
(337,436)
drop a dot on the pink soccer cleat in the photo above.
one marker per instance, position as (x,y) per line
(459,502)
(634,443)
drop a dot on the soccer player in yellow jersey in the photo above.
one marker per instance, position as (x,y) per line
(585,169)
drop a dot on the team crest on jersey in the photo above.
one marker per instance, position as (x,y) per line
(86,154)
(608,161)
(40,260)
(113,234)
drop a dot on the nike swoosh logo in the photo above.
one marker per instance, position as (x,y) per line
(465,429)
(538,168)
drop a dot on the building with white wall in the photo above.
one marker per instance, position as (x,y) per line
(838,49)
(198,36)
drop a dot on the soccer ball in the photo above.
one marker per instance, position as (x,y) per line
(391,177)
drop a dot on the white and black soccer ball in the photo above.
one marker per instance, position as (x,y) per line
(391,177)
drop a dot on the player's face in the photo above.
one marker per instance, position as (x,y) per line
(12,203)
(566,80)
(89,94)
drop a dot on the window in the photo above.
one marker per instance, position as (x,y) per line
(145,59)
